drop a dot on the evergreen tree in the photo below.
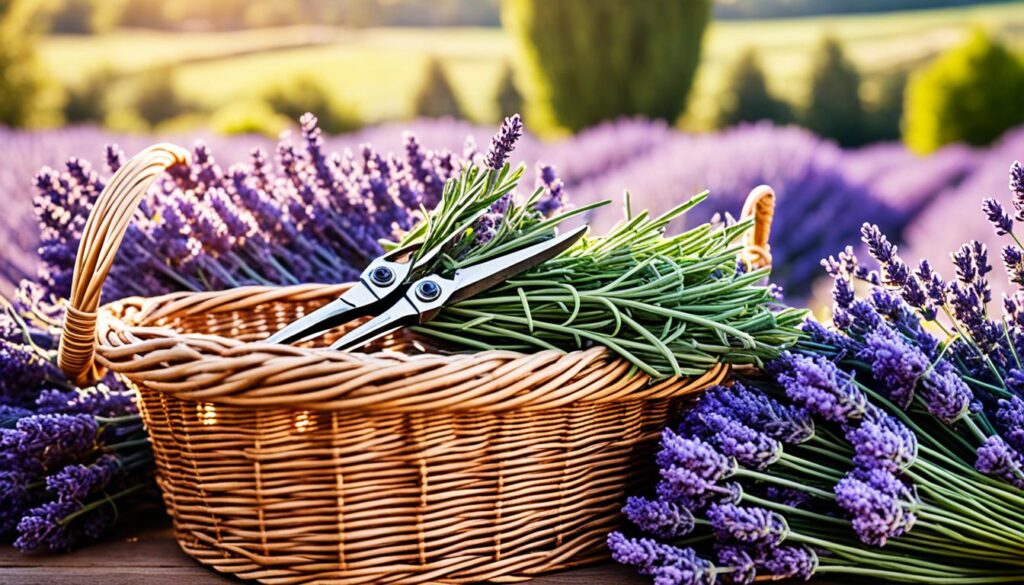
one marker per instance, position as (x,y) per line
(508,98)
(585,61)
(436,97)
(834,108)
(973,93)
(748,98)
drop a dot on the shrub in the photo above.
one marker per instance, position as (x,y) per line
(508,98)
(834,108)
(303,94)
(27,96)
(87,101)
(249,117)
(436,98)
(591,60)
(972,93)
(748,98)
(155,97)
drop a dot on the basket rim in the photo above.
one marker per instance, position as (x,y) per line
(216,369)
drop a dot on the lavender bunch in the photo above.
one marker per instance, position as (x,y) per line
(71,459)
(307,215)
(885,446)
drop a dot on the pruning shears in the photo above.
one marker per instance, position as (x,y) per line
(395,291)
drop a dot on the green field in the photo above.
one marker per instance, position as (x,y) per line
(378,70)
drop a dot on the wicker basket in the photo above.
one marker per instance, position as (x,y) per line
(291,465)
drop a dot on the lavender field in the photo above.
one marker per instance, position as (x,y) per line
(825,192)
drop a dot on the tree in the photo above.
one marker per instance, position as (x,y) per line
(87,101)
(156,98)
(748,98)
(584,61)
(508,98)
(303,94)
(834,108)
(972,93)
(436,98)
(27,95)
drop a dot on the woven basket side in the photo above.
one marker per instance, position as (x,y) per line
(287,496)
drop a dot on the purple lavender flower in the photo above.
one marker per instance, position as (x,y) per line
(43,527)
(819,386)
(77,481)
(668,565)
(788,562)
(1010,414)
(997,459)
(884,251)
(875,515)
(1017,188)
(946,396)
(895,364)
(1013,260)
(554,199)
(842,293)
(787,496)
(934,285)
(747,524)
(880,441)
(886,482)
(14,499)
(734,439)
(693,454)
(44,439)
(504,141)
(997,216)
(756,410)
(100,400)
(22,373)
(658,517)
(738,560)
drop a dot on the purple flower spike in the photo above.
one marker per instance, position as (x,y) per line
(875,515)
(997,216)
(42,527)
(788,562)
(880,441)
(747,524)
(694,455)
(997,459)
(1017,188)
(756,410)
(504,142)
(884,251)
(51,437)
(895,364)
(736,558)
(1010,414)
(668,565)
(75,482)
(660,518)
(819,386)
(734,439)
(946,396)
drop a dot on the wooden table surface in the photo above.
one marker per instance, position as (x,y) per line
(152,557)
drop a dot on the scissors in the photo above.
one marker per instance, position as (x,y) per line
(390,289)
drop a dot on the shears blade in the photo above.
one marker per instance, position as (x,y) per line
(425,298)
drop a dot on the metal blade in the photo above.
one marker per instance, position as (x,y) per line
(475,279)
(399,315)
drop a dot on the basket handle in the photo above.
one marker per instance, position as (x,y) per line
(101,238)
(760,204)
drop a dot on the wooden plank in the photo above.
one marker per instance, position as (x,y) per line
(153,557)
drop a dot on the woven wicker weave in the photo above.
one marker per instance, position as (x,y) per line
(292,465)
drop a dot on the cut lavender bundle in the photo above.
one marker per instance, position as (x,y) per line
(886,446)
(306,216)
(71,459)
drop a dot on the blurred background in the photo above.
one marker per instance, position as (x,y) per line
(901,112)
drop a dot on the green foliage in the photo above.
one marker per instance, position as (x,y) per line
(87,101)
(972,93)
(436,98)
(834,107)
(155,97)
(585,61)
(885,108)
(508,98)
(302,94)
(248,117)
(748,98)
(27,96)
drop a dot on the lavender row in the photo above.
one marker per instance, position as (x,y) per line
(825,192)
